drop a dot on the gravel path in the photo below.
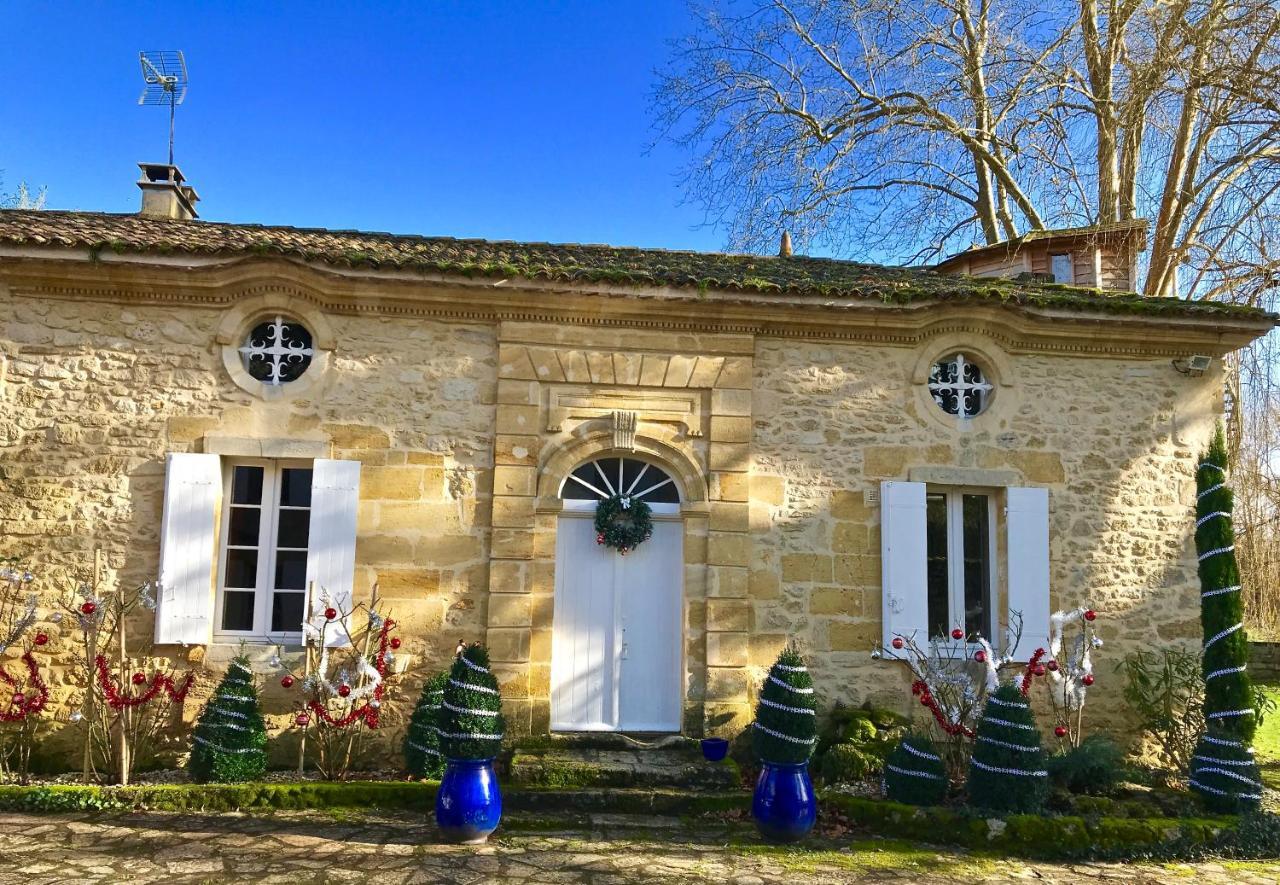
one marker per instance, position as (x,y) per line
(402,848)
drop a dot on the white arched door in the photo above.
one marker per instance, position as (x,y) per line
(616,649)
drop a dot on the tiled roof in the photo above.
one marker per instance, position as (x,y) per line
(796,275)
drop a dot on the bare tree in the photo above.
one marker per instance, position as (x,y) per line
(915,129)
(908,130)
(23,198)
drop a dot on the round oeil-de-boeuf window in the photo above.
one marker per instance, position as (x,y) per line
(959,386)
(277,351)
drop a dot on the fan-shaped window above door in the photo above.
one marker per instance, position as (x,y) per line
(606,477)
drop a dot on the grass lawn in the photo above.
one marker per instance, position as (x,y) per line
(1266,743)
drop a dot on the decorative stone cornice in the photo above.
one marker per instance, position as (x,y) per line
(1017,328)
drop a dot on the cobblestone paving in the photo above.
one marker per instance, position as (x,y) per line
(392,849)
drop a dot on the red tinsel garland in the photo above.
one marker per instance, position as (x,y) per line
(1028,673)
(921,688)
(366,712)
(160,681)
(31,705)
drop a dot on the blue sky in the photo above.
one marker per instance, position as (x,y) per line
(506,120)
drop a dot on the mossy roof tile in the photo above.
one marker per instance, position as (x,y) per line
(572,262)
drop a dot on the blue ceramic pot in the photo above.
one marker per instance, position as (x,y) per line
(784,804)
(469,803)
(714,749)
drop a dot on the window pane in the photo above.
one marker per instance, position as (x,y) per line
(243,530)
(242,568)
(292,529)
(936,553)
(291,570)
(237,611)
(295,487)
(286,612)
(246,485)
(977,565)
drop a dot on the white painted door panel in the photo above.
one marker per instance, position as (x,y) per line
(584,646)
(649,587)
(618,625)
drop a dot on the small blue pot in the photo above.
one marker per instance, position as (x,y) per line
(469,803)
(784,805)
(714,749)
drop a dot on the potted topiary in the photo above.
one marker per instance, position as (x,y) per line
(783,737)
(469,803)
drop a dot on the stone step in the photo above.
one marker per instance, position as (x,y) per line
(578,767)
(661,802)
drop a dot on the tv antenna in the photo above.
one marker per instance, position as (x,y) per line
(164,72)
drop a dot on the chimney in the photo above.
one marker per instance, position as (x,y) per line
(164,193)
(784,250)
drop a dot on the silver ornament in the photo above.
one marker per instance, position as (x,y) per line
(76,716)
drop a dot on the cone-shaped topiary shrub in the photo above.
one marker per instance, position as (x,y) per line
(786,725)
(1007,770)
(1223,771)
(915,773)
(230,740)
(422,756)
(471,721)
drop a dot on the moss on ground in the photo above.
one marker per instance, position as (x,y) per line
(870,856)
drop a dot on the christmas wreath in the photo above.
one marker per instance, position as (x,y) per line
(623,523)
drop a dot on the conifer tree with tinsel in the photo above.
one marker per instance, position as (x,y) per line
(230,739)
(914,773)
(1007,771)
(471,723)
(786,725)
(422,756)
(1223,770)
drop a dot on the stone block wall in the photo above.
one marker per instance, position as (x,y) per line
(1264,661)
(1114,440)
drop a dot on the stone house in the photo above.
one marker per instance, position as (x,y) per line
(834,452)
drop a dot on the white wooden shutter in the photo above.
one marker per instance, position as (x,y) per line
(192,487)
(331,553)
(905,596)
(1027,522)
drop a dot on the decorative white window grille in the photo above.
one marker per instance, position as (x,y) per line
(606,477)
(277,352)
(958,386)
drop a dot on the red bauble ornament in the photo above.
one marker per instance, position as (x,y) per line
(1087,679)
(1039,670)
(42,638)
(89,608)
(1053,666)
(1060,731)
(19,699)
(957,633)
(897,642)
(980,656)
(139,678)
(302,719)
(330,614)
(286,681)
(1090,614)
(344,690)
(395,642)
(600,539)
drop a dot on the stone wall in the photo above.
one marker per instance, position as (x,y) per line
(1114,441)
(465,427)
(1264,661)
(95,394)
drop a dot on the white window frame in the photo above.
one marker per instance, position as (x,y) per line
(955,562)
(268,527)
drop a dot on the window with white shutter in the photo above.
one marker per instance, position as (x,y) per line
(940,566)
(331,555)
(184,605)
(1027,527)
(902,556)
